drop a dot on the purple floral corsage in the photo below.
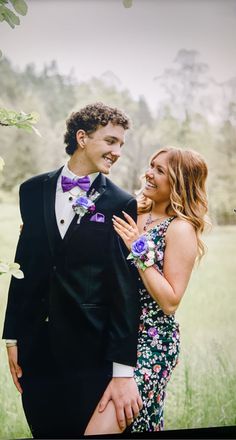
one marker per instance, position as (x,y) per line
(142,253)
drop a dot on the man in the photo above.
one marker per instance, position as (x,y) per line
(71,323)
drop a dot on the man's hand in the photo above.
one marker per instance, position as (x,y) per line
(124,393)
(15,369)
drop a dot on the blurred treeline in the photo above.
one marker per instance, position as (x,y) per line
(194,112)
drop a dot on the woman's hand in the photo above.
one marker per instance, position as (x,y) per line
(127,230)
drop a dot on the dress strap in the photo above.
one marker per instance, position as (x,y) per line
(166,223)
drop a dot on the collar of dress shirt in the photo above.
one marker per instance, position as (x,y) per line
(68,173)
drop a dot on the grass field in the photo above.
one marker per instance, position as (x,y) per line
(202,390)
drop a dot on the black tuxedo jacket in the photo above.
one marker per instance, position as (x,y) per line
(82,282)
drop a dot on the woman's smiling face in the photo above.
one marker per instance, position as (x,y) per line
(157,187)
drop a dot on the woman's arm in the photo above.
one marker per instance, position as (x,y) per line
(179,258)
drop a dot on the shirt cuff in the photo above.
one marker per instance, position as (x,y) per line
(121,370)
(9,341)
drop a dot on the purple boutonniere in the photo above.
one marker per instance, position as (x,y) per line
(83,205)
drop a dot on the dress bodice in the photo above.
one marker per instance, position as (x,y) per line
(157,235)
(153,320)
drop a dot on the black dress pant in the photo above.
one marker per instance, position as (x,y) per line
(59,403)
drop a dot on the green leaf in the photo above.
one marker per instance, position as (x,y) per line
(3,10)
(34,117)
(20,6)
(20,120)
(13,17)
(9,22)
(25,127)
(1,15)
(127,3)
(9,16)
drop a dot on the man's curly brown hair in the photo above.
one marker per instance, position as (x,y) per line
(89,119)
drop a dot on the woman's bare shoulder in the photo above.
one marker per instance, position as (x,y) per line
(180,226)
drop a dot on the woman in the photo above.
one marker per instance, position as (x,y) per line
(164,246)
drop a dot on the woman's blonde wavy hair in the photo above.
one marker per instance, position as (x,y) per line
(187,172)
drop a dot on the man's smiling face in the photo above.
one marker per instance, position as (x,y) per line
(102,148)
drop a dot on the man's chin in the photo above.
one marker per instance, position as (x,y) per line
(105,170)
(101,169)
(104,167)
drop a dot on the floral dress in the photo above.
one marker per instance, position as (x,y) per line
(158,346)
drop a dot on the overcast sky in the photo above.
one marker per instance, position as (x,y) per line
(136,44)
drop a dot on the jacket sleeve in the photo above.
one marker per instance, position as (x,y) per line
(124,301)
(16,289)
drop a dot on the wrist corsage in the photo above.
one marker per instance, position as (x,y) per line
(142,253)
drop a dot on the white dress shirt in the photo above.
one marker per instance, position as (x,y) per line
(64,216)
(64,200)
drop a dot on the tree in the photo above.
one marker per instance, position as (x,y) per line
(184,83)
(34,155)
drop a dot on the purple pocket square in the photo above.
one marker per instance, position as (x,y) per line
(98,217)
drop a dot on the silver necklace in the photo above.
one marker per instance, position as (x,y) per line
(149,220)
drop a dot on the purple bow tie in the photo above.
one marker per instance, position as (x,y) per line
(67,183)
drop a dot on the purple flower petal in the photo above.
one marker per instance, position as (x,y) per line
(152,331)
(140,246)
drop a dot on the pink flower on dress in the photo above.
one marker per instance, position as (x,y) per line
(156,368)
(151,394)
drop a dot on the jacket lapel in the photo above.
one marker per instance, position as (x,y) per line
(98,185)
(49,197)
